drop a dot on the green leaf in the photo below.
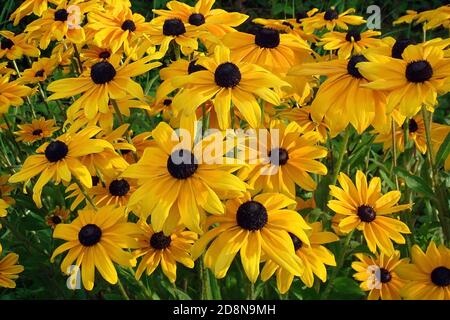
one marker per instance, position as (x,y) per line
(443,152)
(322,191)
(416,183)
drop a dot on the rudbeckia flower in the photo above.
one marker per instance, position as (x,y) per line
(38,7)
(115,191)
(40,70)
(227,82)
(365,208)
(37,130)
(57,216)
(330,19)
(11,93)
(428,274)
(314,257)
(9,270)
(156,248)
(104,81)
(3,207)
(59,160)
(96,239)
(350,42)
(415,80)
(340,99)
(16,46)
(172,177)
(5,190)
(256,227)
(408,18)
(379,275)
(286,159)
(302,116)
(267,48)
(216,21)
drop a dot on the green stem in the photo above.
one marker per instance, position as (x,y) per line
(144,288)
(85,194)
(122,290)
(342,152)
(394,151)
(28,98)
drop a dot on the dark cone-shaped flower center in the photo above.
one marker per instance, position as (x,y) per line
(227,75)
(400,46)
(102,72)
(6,43)
(196,19)
(173,27)
(182,164)
(39,74)
(251,216)
(104,55)
(385,275)
(61,15)
(128,25)
(353,34)
(412,126)
(278,156)
(167,102)
(331,14)
(119,188)
(159,241)
(56,150)
(366,213)
(287,24)
(89,235)
(296,241)
(418,71)
(300,15)
(440,276)
(56,220)
(194,67)
(351,66)
(267,38)
(37,132)
(95,180)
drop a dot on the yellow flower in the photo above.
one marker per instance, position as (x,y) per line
(16,46)
(59,215)
(331,19)
(9,270)
(39,71)
(11,93)
(38,7)
(38,129)
(365,208)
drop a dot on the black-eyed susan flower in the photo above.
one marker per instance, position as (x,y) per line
(351,42)
(60,160)
(5,190)
(156,249)
(428,274)
(39,71)
(9,270)
(284,159)
(27,7)
(314,257)
(302,116)
(255,227)
(115,191)
(379,276)
(172,176)
(364,207)
(267,48)
(227,82)
(104,81)
(57,216)
(410,82)
(96,239)
(38,129)
(11,93)
(217,21)
(331,19)
(408,18)
(3,208)
(340,99)
(16,46)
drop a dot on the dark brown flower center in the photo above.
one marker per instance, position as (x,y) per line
(351,66)
(251,216)
(331,14)
(95,180)
(227,75)
(104,54)
(400,46)
(278,156)
(412,126)
(56,151)
(61,15)
(39,73)
(119,188)
(159,241)
(296,241)
(37,132)
(440,276)
(6,43)
(102,72)
(366,213)
(182,164)
(385,275)
(353,34)
(167,102)
(287,24)
(194,67)
(173,27)
(56,219)
(267,38)
(196,19)
(89,235)
(418,71)
(128,25)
